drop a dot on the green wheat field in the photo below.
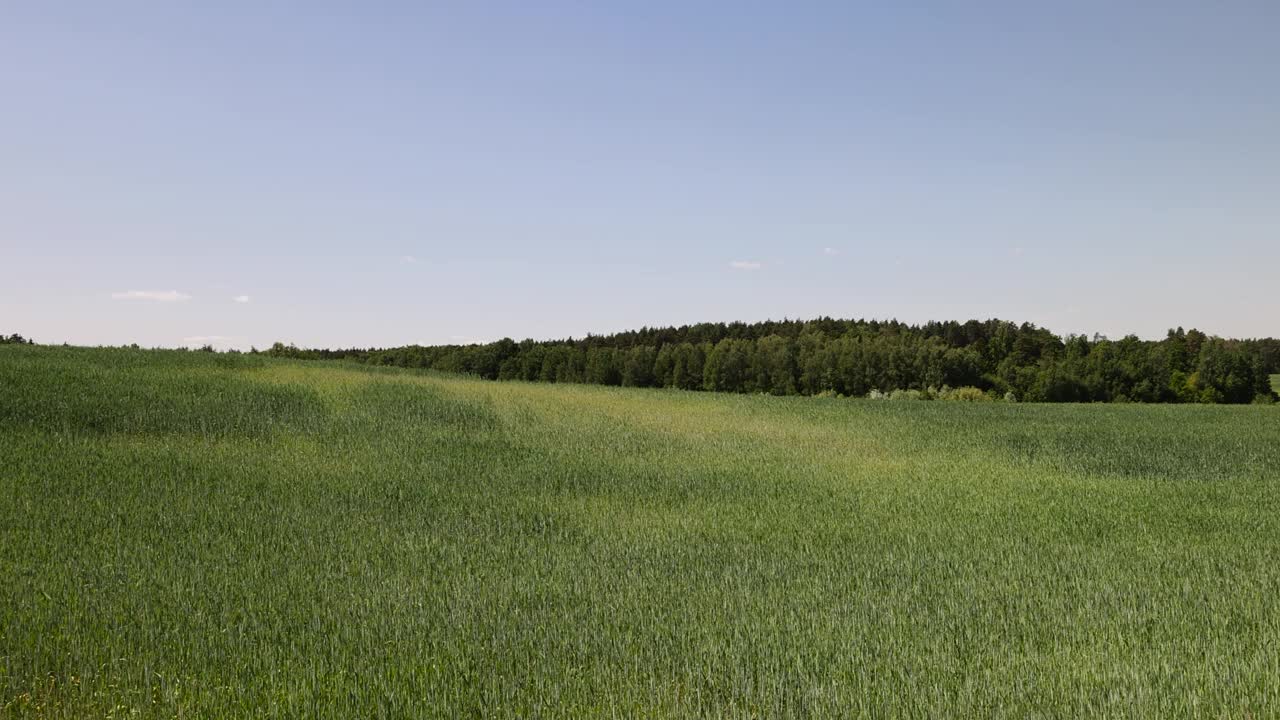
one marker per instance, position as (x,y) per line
(202,535)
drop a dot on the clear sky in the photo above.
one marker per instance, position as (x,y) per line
(388,173)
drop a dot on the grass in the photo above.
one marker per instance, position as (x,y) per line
(195,535)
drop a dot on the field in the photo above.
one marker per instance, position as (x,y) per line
(200,535)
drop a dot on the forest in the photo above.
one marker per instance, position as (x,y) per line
(974,360)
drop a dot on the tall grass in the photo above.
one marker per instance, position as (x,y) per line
(185,534)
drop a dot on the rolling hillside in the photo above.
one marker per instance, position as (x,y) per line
(213,535)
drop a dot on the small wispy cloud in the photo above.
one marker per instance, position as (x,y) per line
(745,265)
(408,259)
(151,295)
(1018,252)
(240,299)
(830,251)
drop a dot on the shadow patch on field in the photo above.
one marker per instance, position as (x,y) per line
(419,406)
(79,393)
(1186,446)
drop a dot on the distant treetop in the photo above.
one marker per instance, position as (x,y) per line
(826,356)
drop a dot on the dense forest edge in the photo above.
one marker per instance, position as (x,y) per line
(974,360)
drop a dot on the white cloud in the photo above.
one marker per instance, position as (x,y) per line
(830,251)
(408,259)
(1017,252)
(240,299)
(152,295)
(745,265)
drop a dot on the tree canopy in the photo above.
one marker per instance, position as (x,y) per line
(826,356)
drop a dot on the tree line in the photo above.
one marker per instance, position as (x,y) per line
(992,359)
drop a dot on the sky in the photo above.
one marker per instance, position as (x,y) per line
(387,173)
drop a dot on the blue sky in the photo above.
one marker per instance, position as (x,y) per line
(391,173)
